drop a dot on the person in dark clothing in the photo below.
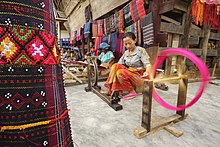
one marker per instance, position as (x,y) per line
(77,53)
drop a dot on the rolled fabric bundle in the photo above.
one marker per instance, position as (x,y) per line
(33,109)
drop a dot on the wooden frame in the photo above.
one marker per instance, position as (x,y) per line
(114,99)
(148,126)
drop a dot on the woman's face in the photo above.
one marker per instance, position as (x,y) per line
(129,43)
(103,50)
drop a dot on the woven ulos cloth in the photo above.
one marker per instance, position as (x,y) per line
(33,109)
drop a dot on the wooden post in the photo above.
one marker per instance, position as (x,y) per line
(207,31)
(155,7)
(182,92)
(169,59)
(88,43)
(89,88)
(168,66)
(58,30)
(147,103)
(187,21)
(83,45)
(215,66)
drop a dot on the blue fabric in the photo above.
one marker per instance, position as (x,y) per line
(113,38)
(87,28)
(106,57)
(105,39)
(104,45)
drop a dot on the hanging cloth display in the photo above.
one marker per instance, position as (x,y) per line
(94,29)
(218,10)
(198,11)
(141,9)
(216,2)
(108,25)
(88,13)
(206,12)
(119,47)
(211,18)
(100,28)
(112,41)
(127,16)
(98,40)
(112,24)
(134,11)
(78,34)
(87,29)
(148,29)
(117,21)
(105,27)
(121,21)
(71,38)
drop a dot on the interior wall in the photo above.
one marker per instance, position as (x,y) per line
(76,18)
(65,34)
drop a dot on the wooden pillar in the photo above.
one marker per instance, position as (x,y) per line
(58,30)
(147,104)
(169,59)
(182,93)
(89,88)
(83,44)
(184,40)
(155,7)
(88,42)
(187,21)
(168,66)
(207,30)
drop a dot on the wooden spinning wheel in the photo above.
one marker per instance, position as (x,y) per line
(147,126)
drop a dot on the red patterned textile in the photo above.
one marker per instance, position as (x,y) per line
(141,9)
(33,110)
(206,13)
(121,21)
(124,79)
(211,17)
(31,46)
(30,94)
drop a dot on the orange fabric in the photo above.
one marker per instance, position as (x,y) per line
(198,11)
(124,79)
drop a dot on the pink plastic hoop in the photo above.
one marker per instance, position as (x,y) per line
(199,64)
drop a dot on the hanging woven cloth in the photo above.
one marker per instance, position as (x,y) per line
(198,11)
(33,109)
(211,17)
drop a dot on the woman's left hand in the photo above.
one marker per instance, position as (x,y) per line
(145,73)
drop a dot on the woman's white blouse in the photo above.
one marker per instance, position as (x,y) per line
(138,58)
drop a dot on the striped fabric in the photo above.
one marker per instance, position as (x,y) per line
(123,79)
(100,28)
(148,29)
(127,15)
(141,9)
(121,21)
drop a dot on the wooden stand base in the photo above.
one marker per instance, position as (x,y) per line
(163,123)
(111,102)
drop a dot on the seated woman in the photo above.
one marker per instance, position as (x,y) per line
(126,74)
(91,52)
(106,57)
(77,54)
